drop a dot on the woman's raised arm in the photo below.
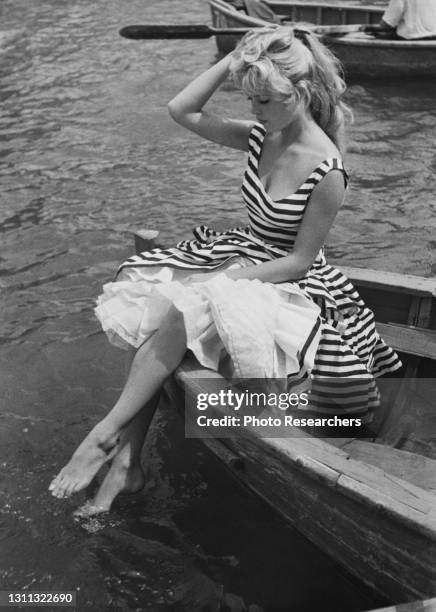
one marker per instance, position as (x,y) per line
(187,109)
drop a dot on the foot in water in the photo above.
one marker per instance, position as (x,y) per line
(121,478)
(97,448)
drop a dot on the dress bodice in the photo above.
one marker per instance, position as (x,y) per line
(277,221)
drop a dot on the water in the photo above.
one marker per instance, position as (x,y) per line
(89,155)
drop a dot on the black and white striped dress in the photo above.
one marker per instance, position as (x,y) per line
(349,346)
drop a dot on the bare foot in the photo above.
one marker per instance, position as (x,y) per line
(97,448)
(119,479)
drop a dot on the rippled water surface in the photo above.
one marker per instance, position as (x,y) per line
(88,155)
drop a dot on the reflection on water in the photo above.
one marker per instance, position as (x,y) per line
(88,155)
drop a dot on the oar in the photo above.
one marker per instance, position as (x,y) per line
(140,32)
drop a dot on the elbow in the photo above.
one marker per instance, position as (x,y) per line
(301,266)
(174,110)
(302,271)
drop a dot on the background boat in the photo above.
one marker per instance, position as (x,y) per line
(361,54)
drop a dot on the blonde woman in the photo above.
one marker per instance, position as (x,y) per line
(262,295)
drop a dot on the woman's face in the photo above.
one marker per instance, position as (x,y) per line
(274,114)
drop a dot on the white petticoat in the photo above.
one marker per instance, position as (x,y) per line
(268,330)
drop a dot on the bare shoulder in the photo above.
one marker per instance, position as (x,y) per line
(330,190)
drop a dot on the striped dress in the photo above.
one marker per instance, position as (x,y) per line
(350,349)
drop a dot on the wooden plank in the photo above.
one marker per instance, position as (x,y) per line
(401,496)
(421,312)
(414,468)
(409,339)
(428,605)
(401,283)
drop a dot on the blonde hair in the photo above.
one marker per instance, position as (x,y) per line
(290,62)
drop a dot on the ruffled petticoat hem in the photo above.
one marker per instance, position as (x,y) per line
(267,330)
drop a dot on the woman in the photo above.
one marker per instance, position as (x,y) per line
(265,290)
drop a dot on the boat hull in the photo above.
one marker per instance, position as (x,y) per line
(385,58)
(390,555)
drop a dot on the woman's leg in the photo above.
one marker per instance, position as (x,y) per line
(154,361)
(125,474)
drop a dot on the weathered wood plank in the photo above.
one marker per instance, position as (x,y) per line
(413,468)
(409,339)
(422,311)
(403,498)
(401,283)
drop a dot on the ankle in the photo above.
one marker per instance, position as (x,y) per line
(127,463)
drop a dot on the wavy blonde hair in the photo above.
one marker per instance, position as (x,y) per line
(290,62)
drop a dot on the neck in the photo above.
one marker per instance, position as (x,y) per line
(295,131)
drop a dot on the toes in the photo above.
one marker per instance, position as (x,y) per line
(54,483)
(59,493)
(59,486)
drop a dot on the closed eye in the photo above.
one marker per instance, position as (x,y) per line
(261,101)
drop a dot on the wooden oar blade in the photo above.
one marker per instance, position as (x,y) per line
(141,32)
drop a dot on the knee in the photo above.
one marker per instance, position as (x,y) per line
(173,320)
(173,327)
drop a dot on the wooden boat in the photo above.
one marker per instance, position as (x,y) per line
(368,503)
(360,54)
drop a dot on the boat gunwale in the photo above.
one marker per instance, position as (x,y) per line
(381,43)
